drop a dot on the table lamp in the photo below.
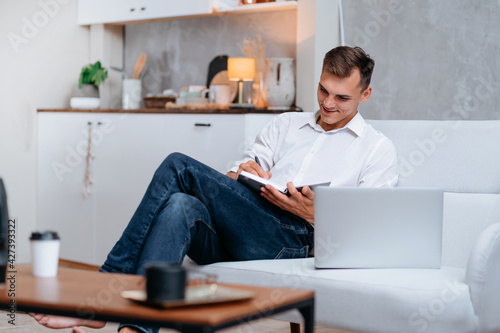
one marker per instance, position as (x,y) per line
(241,69)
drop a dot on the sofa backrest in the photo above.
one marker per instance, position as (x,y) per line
(461,157)
(457,156)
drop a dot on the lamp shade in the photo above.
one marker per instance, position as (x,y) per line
(241,69)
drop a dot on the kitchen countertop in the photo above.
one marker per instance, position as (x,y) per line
(175,110)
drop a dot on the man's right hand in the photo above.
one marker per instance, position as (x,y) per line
(252,167)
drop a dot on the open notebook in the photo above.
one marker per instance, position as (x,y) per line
(255,182)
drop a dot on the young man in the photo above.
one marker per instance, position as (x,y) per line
(191,209)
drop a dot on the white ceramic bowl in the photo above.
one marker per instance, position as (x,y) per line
(85,103)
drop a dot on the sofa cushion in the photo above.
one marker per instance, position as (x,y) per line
(465,216)
(457,156)
(368,300)
(483,278)
(483,275)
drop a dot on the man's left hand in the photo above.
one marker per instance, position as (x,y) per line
(298,203)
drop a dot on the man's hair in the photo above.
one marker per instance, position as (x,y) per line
(342,60)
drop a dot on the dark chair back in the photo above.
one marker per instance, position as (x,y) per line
(4,221)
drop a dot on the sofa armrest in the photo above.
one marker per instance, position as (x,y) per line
(483,275)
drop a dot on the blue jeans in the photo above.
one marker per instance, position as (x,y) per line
(191,209)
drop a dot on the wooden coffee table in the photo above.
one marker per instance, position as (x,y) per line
(97,296)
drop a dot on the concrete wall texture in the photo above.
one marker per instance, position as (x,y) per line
(434,59)
(180,51)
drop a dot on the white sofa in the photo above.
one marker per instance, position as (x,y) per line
(463,158)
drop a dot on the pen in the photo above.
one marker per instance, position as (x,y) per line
(258,162)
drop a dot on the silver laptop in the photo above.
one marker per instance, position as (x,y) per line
(378,227)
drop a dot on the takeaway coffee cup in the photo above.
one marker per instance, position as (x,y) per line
(44,253)
(165,282)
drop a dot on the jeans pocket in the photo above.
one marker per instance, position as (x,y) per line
(291,253)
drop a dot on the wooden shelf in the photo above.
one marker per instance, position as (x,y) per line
(175,110)
(258,7)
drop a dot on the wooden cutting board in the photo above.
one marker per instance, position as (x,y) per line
(218,64)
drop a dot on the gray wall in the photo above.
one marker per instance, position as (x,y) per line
(434,59)
(180,51)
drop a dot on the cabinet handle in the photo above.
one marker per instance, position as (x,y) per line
(132,9)
(143,8)
(202,124)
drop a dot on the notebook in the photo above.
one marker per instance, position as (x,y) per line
(378,227)
(255,182)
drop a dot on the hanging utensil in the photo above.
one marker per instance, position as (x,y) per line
(139,65)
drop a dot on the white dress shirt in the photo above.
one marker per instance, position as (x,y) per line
(293,147)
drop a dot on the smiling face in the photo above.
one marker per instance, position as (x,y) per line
(338,99)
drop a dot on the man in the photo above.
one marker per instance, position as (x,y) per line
(191,209)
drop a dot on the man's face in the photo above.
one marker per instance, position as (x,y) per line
(338,99)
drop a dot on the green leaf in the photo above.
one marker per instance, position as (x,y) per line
(93,74)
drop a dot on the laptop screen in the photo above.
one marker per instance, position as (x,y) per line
(378,227)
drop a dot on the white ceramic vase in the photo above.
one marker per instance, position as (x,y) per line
(279,83)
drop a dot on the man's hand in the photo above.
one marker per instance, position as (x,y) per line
(233,175)
(298,203)
(252,167)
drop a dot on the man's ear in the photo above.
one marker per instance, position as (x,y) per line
(366,94)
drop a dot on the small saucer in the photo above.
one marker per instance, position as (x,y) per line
(195,295)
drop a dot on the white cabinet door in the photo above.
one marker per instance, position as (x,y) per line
(61,205)
(96,11)
(214,139)
(121,11)
(125,163)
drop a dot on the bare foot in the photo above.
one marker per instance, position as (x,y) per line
(77,330)
(65,322)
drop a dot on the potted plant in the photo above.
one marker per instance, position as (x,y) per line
(86,95)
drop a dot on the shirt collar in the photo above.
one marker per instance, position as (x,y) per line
(356,125)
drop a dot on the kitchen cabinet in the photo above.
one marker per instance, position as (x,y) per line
(131,11)
(124,11)
(60,166)
(126,150)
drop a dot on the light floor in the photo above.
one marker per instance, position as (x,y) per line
(26,324)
